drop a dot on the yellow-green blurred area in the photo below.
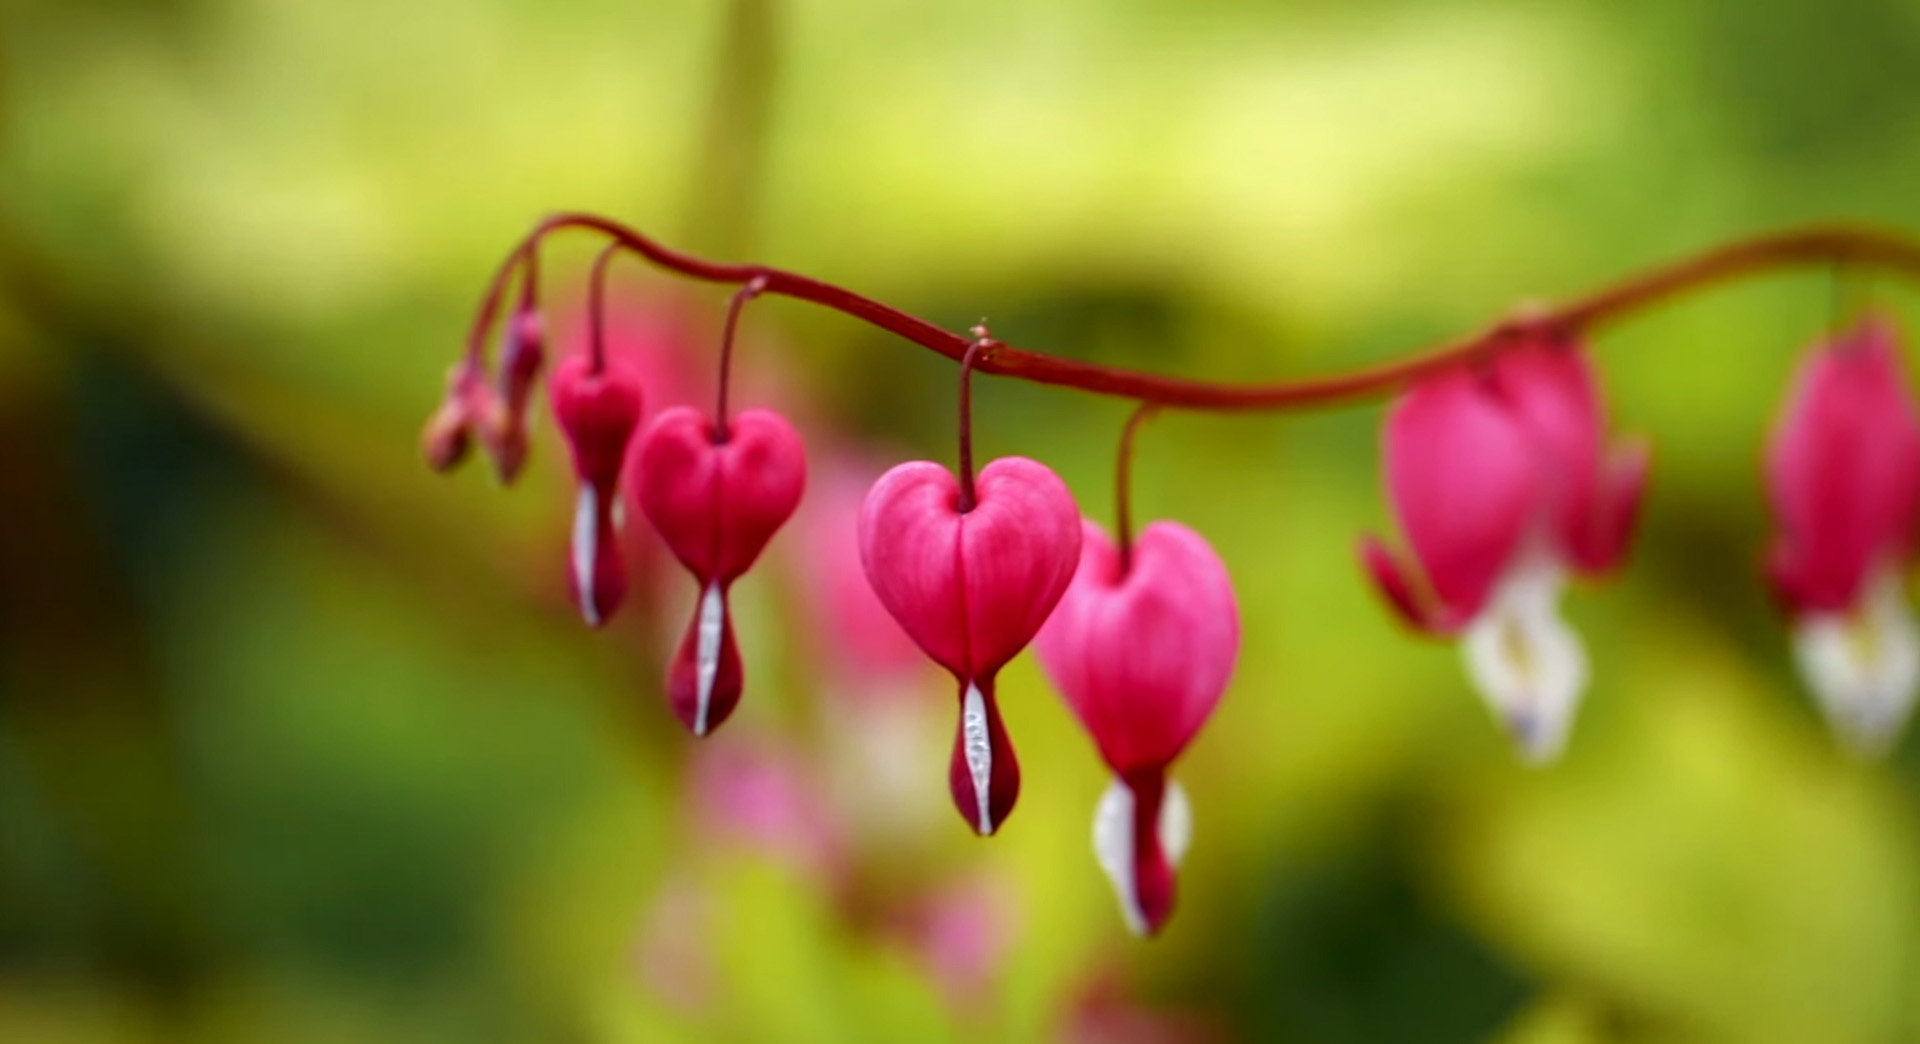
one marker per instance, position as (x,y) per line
(300,743)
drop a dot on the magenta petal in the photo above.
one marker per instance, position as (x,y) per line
(1462,477)
(1143,658)
(1843,466)
(1550,388)
(1617,510)
(970,589)
(597,413)
(717,504)
(1391,577)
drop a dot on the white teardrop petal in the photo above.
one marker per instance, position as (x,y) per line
(1113,842)
(584,551)
(1113,849)
(1176,822)
(1527,663)
(706,661)
(978,747)
(1863,666)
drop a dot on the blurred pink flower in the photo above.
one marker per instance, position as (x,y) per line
(1843,476)
(761,796)
(672,956)
(1503,484)
(961,931)
(866,651)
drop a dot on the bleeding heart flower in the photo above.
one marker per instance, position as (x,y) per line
(717,495)
(971,588)
(1503,486)
(597,411)
(1843,475)
(1142,651)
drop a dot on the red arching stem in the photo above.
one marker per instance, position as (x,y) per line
(1821,245)
(597,306)
(976,351)
(530,282)
(741,296)
(1123,486)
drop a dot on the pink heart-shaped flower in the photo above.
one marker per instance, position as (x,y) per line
(972,588)
(716,500)
(597,411)
(1143,656)
(1142,650)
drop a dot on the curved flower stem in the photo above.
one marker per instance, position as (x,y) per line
(597,306)
(978,350)
(1820,245)
(1123,485)
(741,296)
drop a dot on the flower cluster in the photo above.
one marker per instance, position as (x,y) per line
(1499,469)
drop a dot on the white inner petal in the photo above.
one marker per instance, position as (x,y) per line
(1176,822)
(978,746)
(706,661)
(1113,842)
(583,551)
(1525,660)
(1863,665)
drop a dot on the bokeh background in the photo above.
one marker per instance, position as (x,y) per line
(300,743)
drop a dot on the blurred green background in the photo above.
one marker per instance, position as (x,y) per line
(299,743)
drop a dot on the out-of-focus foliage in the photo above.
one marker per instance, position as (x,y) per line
(298,743)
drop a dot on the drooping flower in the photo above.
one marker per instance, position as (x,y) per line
(1503,487)
(1843,478)
(597,410)
(972,588)
(716,494)
(1142,650)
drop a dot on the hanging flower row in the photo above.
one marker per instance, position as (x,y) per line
(1499,469)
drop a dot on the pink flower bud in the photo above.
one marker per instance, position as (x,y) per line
(448,437)
(521,358)
(1143,655)
(972,589)
(1843,477)
(716,501)
(597,413)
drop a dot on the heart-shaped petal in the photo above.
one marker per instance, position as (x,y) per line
(1463,478)
(1843,469)
(717,503)
(971,589)
(1143,655)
